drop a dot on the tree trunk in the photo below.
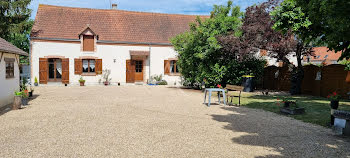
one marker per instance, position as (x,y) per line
(298,73)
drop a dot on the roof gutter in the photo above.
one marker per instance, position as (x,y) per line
(55,39)
(125,42)
(100,41)
(11,52)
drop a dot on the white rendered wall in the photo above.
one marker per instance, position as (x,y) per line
(107,53)
(273,61)
(8,86)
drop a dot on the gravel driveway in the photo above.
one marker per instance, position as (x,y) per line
(145,121)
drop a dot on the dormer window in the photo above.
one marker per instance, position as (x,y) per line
(88,39)
(88,43)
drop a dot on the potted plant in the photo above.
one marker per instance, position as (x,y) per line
(17,104)
(290,107)
(25,96)
(81,81)
(334,98)
(36,81)
(106,78)
(287,102)
(31,91)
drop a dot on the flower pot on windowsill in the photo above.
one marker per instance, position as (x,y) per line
(82,83)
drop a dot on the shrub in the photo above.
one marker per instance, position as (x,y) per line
(163,82)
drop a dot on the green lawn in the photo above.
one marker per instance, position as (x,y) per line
(317,108)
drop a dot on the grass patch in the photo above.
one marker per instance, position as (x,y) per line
(317,109)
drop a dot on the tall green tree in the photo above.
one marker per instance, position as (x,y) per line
(290,19)
(203,54)
(199,51)
(330,23)
(15,24)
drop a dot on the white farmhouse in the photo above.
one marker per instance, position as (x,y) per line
(67,43)
(9,71)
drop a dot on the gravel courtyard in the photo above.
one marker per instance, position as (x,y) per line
(145,121)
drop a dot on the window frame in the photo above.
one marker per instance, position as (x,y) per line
(139,66)
(176,70)
(12,68)
(88,73)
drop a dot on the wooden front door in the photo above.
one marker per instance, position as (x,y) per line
(134,71)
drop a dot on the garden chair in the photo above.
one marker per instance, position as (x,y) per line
(232,95)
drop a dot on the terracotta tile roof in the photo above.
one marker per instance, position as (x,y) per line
(322,53)
(109,25)
(7,47)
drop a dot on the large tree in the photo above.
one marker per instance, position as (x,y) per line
(15,24)
(202,55)
(199,50)
(259,31)
(330,23)
(289,18)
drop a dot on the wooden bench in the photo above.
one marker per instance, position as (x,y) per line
(234,88)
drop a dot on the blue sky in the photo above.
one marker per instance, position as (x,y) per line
(195,7)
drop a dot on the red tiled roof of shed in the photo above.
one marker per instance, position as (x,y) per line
(110,25)
(320,54)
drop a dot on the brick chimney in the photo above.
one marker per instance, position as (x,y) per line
(115,6)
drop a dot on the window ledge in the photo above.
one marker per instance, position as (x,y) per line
(88,74)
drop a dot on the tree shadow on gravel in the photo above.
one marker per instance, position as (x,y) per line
(289,138)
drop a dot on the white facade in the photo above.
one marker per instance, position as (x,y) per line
(8,86)
(113,57)
(273,61)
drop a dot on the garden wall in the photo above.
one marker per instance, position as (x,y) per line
(332,78)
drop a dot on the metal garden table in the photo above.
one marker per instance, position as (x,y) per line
(210,90)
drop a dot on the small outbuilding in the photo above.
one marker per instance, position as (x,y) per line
(9,71)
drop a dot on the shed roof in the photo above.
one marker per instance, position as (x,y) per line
(7,47)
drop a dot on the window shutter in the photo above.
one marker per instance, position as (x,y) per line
(98,66)
(88,43)
(78,66)
(43,70)
(166,67)
(65,71)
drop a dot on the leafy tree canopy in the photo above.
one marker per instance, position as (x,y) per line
(201,55)
(330,23)
(15,24)
(289,17)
